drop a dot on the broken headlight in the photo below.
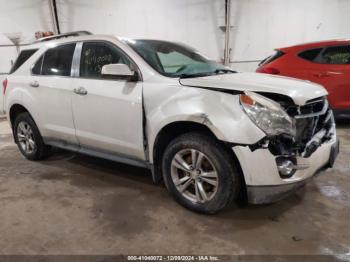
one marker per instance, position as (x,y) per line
(268,115)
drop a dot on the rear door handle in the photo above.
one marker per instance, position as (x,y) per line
(34,84)
(320,75)
(80,91)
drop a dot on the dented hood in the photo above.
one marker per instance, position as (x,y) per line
(299,90)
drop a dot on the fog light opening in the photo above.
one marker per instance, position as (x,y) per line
(286,166)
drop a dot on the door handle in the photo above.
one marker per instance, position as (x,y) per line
(34,84)
(80,91)
(320,75)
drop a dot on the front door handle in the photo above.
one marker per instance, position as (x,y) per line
(80,91)
(34,84)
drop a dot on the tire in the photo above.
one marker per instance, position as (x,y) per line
(215,159)
(28,138)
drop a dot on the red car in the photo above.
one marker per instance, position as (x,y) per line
(326,63)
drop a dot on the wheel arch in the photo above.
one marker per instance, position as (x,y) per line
(15,110)
(174,129)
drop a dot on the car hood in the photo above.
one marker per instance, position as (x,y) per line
(299,90)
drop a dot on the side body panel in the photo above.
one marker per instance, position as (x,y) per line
(167,103)
(109,117)
(54,96)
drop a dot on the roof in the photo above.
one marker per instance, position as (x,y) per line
(54,42)
(64,35)
(323,43)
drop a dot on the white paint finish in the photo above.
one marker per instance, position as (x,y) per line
(109,117)
(166,103)
(300,91)
(54,99)
(117,70)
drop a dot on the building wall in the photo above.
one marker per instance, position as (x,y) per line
(195,22)
(258,26)
(24,17)
(262,25)
(21,19)
(7,54)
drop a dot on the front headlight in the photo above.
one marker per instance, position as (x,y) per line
(268,115)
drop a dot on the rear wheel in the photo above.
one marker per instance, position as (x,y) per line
(199,172)
(28,138)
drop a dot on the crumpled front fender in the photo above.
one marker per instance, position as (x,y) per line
(220,112)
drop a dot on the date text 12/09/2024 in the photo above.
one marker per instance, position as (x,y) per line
(173,258)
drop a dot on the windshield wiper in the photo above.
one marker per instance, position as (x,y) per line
(196,75)
(216,72)
(225,71)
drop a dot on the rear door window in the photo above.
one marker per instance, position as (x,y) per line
(58,60)
(339,55)
(310,54)
(22,58)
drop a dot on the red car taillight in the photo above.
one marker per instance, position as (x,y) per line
(4,86)
(268,70)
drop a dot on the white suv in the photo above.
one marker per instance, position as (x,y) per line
(210,133)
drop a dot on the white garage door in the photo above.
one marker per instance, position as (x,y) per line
(8,53)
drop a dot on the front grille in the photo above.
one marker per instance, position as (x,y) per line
(313,107)
(309,119)
(314,116)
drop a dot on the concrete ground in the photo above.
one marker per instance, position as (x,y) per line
(74,204)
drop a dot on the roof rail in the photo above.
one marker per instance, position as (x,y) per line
(75,33)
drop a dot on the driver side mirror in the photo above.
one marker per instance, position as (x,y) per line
(119,71)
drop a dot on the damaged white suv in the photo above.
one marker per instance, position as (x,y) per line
(210,133)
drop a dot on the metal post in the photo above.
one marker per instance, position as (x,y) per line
(227,32)
(54,16)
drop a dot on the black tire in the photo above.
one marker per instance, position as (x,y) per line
(228,176)
(41,151)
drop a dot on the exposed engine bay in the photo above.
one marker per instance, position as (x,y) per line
(313,122)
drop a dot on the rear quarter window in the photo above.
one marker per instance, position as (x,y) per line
(311,54)
(22,58)
(271,58)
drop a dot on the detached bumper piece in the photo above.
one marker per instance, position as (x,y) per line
(334,153)
(271,194)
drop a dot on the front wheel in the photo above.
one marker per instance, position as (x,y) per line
(199,171)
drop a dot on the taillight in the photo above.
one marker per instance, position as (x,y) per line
(4,85)
(268,70)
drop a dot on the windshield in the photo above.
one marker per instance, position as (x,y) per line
(176,60)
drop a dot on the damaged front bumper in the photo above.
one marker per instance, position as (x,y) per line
(266,184)
(273,193)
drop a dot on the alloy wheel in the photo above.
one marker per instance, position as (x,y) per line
(194,175)
(25,138)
